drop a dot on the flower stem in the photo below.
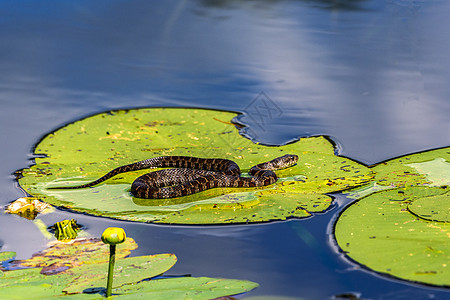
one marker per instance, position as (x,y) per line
(112,259)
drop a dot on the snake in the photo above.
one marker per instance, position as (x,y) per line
(189,175)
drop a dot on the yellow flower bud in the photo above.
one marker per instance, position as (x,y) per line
(113,236)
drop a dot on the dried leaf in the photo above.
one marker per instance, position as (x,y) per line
(76,253)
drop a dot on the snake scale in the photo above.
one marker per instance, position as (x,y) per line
(193,175)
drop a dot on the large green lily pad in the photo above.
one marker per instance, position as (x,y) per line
(74,279)
(87,149)
(429,167)
(379,232)
(400,225)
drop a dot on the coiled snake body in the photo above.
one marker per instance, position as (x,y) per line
(192,175)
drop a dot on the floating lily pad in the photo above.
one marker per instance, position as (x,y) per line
(429,167)
(7,255)
(406,246)
(76,253)
(87,149)
(403,214)
(201,288)
(126,271)
(433,208)
(66,230)
(132,276)
(28,207)
(31,284)
(437,171)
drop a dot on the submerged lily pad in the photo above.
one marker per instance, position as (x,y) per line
(405,217)
(87,149)
(7,255)
(134,277)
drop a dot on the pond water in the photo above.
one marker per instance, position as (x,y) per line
(372,75)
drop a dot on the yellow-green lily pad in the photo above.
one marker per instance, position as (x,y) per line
(31,284)
(126,271)
(429,167)
(76,253)
(433,208)
(199,288)
(7,255)
(403,214)
(437,171)
(134,277)
(380,232)
(87,149)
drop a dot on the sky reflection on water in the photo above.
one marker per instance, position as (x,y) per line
(373,75)
(373,79)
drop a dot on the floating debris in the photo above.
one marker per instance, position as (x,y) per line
(28,207)
(66,230)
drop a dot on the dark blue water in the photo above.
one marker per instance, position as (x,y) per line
(372,75)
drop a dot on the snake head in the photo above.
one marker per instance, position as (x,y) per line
(281,162)
(288,160)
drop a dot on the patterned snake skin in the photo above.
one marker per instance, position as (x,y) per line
(193,175)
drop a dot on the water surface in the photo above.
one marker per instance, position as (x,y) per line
(372,75)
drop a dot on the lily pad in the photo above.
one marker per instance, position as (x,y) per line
(7,255)
(200,288)
(31,284)
(433,208)
(132,277)
(66,230)
(87,149)
(79,252)
(126,271)
(429,167)
(437,171)
(404,214)
(28,207)
(406,246)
